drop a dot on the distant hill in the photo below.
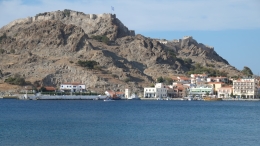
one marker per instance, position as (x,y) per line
(55,47)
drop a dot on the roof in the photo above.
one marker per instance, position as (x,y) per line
(48,88)
(174,78)
(184,78)
(180,88)
(72,84)
(28,87)
(215,83)
(117,92)
(225,88)
(199,75)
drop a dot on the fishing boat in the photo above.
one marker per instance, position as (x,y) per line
(212,99)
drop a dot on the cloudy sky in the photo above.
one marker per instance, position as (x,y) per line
(232,27)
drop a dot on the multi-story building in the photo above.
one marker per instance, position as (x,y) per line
(73,87)
(178,90)
(216,86)
(159,91)
(183,80)
(198,78)
(225,92)
(201,90)
(217,79)
(245,88)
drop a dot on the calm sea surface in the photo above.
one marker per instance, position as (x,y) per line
(129,123)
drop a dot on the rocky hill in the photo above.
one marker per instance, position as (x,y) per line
(46,50)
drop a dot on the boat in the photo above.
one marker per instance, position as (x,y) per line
(134,97)
(212,99)
(189,98)
(108,99)
(10,97)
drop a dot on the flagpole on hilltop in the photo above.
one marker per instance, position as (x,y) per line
(112,9)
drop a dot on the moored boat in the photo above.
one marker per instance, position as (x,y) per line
(134,97)
(109,99)
(212,99)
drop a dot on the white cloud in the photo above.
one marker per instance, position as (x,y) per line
(151,15)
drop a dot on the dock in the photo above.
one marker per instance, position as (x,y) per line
(64,97)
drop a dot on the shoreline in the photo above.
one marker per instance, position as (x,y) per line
(96,97)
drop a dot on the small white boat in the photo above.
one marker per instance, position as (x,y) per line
(108,99)
(134,97)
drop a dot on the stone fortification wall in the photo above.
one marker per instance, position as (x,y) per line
(93,24)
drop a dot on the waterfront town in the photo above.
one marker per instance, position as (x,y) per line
(195,87)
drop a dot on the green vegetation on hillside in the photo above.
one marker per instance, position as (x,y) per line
(41,14)
(247,71)
(187,62)
(2,51)
(3,37)
(88,64)
(66,12)
(12,51)
(167,81)
(171,53)
(16,80)
(199,69)
(102,38)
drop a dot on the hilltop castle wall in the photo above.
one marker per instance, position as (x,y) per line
(92,24)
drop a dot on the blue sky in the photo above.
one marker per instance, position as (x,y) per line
(232,27)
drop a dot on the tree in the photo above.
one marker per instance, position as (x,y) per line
(3,37)
(127,79)
(160,79)
(115,76)
(168,81)
(231,95)
(187,61)
(16,80)
(87,64)
(207,93)
(12,51)
(102,38)
(247,71)
(2,51)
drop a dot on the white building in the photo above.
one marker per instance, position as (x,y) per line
(217,79)
(201,90)
(127,93)
(73,87)
(183,80)
(246,88)
(198,78)
(159,91)
(224,92)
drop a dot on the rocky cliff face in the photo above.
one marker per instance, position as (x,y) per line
(45,50)
(92,24)
(187,47)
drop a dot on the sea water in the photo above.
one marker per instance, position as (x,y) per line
(129,123)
